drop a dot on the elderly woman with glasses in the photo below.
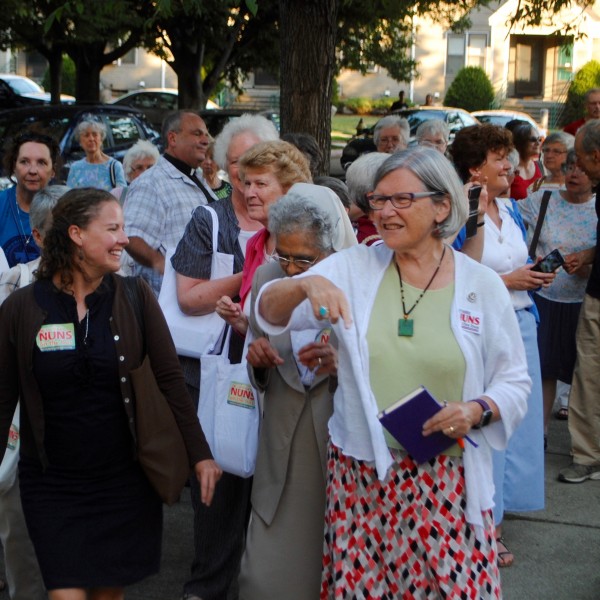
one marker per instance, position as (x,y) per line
(407,312)
(296,371)
(569,225)
(527,141)
(554,155)
(434,133)
(391,133)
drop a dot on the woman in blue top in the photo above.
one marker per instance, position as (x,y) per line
(480,153)
(31,159)
(97,169)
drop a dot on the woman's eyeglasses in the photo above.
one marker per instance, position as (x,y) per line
(536,140)
(302,263)
(399,200)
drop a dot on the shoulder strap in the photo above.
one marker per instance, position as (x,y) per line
(540,222)
(215,227)
(113,176)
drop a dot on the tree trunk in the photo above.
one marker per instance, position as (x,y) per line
(55,66)
(189,85)
(89,60)
(308,38)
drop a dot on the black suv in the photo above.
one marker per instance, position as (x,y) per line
(124,127)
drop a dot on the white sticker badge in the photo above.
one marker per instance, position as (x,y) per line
(58,336)
(471,321)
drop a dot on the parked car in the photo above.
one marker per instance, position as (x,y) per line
(457,118)
(502,117)
(124,127)
(16,91)
(157,103)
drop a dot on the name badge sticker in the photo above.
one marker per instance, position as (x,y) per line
(471,321)
(58,336)
(323,335)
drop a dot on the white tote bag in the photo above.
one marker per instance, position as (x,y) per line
(194,335)
(229,411)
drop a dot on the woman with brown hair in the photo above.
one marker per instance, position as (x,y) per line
(68,344)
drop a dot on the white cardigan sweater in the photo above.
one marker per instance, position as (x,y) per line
(486,329)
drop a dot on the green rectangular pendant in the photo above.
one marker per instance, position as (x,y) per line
(405,327)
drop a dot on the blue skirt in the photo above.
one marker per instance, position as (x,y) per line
(519,469)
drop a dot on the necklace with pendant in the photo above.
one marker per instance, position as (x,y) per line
(405,325)
(26,239)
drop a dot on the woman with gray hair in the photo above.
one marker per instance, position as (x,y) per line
(410,312)
(296,373)
(434,133)
(96,169)
(139,158)
(391,133)
(554,154)
(359,179)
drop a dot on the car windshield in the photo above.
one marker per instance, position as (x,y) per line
(416,117)
(54,126)
(495,119)
(24,86)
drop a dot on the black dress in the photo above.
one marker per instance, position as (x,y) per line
(93,517)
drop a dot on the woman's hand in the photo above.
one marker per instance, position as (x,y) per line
(208,473)
(262,355)
(231,312)
(578,263)
(328,301)
(524,278)
(320,356)
(455,420)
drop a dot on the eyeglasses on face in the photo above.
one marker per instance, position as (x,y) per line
(301,263)
(398,200)
(535,140)
(553,151)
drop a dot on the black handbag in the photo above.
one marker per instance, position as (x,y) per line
(161,450)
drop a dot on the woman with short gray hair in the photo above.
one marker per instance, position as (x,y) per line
(96,169)
(554,155)
(434,133)
(391,133)
(285,536)
(414,313)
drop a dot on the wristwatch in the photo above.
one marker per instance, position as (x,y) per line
(486,415)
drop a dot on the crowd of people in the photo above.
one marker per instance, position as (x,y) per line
(341,299)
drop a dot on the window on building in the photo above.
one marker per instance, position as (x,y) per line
(465,50)
(455,60)
(130,58)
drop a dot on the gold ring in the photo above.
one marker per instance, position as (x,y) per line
(320,362)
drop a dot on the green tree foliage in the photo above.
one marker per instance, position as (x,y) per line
(207,41)
(471,90)
(586,78)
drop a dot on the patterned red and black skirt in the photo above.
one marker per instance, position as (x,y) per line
(405,537)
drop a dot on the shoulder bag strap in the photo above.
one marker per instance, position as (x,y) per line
(112,168)
(540,222)
(215,228)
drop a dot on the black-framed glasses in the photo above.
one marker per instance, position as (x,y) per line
(398,200)
(302,263)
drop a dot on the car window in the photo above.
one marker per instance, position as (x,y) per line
(415,118)
(123,130)
(24,86)
(166,101)
(54,126)
(142,101)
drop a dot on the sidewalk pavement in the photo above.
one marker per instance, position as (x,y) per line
(557,550)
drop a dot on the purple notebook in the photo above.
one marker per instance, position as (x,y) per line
(404,420)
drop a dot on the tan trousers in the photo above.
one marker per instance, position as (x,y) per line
(584,400)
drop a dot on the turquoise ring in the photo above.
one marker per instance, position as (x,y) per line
(323,311)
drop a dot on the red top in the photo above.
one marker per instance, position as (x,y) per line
(574,126)
(518,189)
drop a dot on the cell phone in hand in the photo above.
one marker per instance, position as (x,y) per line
(550,262)
(473,195)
